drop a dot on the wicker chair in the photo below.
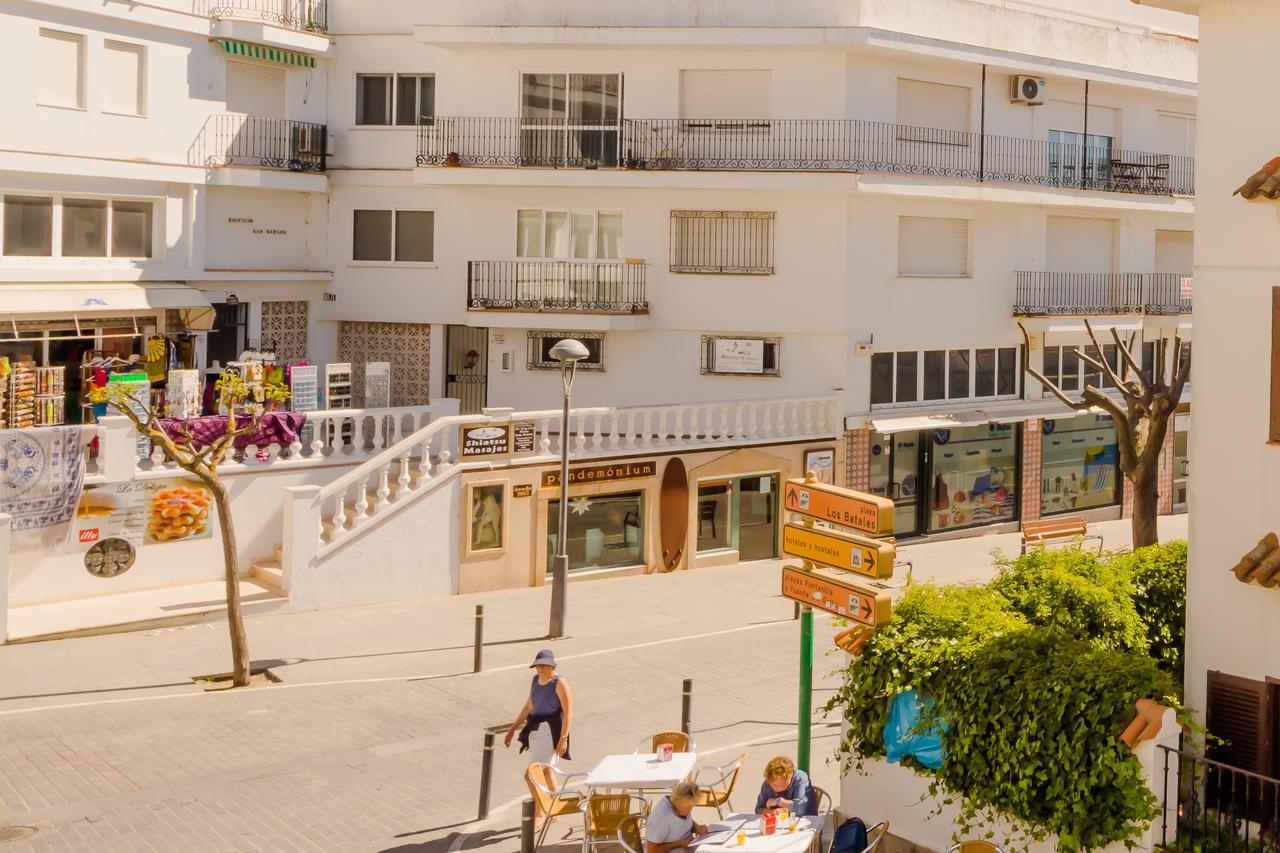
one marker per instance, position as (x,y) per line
(715,794)
(552,802)
(679,741)
(603,814)
(975,847)
(631,833)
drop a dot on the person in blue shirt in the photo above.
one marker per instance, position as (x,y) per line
(786,788)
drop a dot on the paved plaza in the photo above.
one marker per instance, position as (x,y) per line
(372,739)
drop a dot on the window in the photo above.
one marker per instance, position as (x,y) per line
(541,342)
(403,100)
(582,234)
(604,531)
(1177,133)
(61,58)
(741,356)
(122,78)
(1071,373)
(731,242)
(89,227)
(947,375)
(403,236)
(933,112)
(929,246)
(28,226)
(725,99)
(570,119)
(1241,713)
(1079,464)
(256,89)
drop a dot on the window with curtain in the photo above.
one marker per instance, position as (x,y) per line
(402,236)
(89,227)
(402,100)
(897,377)
(933,246)
(570,119)
(565,234)
(60,81)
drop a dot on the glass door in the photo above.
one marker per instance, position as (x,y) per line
(739,513)
(570,119)
(895,474)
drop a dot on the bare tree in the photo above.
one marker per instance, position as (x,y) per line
(181,450)
(1141,415)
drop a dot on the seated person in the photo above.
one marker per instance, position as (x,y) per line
(670,824)
(786,788)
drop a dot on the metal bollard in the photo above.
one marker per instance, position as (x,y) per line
(686,705)
(479,650)
(526,826)
(795,614)
(486,775)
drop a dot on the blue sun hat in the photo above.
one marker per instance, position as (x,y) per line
(544,658)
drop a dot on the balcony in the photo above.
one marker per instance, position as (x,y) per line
(261,143)
(302,15)
(1057,294)
(557,286)
(799,145)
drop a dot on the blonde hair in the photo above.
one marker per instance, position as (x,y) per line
(684,792)
(779,768)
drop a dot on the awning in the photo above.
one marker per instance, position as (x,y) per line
(59,300)
(1099,324)
(950,420)
(249,50)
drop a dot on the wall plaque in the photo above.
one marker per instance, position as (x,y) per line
(521,490)
(522,437)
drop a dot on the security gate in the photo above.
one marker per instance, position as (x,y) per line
(467,367)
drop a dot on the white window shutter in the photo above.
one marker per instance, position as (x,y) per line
(931,246)
(1174,251)
(122,78)
(1177,133)
(937,105)
(1080,244)
(255,90)
(718,94)
(60,57)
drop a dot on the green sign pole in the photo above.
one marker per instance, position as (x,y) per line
(806,687)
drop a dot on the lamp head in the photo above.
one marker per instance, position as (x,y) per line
(569,350)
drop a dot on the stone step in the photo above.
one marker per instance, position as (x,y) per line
(268,572)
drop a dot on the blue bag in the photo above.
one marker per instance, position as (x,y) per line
(851,837)
(901,737)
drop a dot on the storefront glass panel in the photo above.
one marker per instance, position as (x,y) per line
(973,472)
(895,474)
(1181,469)
(605,531)
(1079,464)
(739,513)
(715,528)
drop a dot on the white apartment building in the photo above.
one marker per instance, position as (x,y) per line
(793,236)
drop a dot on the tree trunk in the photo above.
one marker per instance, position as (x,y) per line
(235,619)
(1146,502)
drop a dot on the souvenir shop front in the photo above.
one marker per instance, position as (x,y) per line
(632,515)
(947,478)
(1079,464)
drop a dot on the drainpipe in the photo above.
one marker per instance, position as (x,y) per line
(1085,147)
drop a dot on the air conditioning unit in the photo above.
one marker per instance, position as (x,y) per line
(1026,90)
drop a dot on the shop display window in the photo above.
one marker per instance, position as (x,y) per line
(487,517)
(714,524)
(974,476)
(605,531)
(1079,464)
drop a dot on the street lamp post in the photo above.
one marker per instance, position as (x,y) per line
(568,352)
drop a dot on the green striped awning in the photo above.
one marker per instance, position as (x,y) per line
(250,50)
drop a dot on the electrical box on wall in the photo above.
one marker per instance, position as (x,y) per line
(1026,90)
(506,361)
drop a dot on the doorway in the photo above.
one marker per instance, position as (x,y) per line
(467,367)
(896,462)
(739,513)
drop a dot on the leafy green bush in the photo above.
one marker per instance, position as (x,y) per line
(1036,673)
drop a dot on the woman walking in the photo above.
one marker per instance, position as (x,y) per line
(546,715)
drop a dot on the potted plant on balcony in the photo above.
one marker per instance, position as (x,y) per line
(453,159)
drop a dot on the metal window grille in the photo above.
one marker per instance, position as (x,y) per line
(540,341)
(733,242)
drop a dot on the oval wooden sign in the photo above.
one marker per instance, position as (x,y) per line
(673,513)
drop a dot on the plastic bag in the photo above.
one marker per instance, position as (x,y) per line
(901,737)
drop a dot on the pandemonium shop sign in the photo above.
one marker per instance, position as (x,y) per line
(603,473)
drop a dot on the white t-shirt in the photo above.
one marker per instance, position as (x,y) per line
(664,826)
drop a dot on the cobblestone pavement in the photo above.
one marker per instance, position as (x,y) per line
(372,740)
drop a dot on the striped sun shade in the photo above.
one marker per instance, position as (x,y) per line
(269,54)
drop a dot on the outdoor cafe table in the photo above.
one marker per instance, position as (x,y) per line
(807,830)
(641,772)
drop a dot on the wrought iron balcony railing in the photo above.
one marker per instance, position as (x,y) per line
(587,287)
(260,142)
(304,15)
(1208,805)
(799,145)
(1088,294)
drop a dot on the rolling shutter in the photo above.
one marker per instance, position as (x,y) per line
(930,246)
(1174,252)
(1177,133)
(1238,711)
(1080,244)
(937,105)
(255,90)
(724,94)
(60,69)
(122,78)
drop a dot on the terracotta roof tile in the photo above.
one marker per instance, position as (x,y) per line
(1265,181)
(1262,564)
(1146,725)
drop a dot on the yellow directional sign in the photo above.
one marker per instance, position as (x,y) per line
(866,605)
(859,510)
(840,550)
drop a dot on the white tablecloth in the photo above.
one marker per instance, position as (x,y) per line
(756,842)
(642,772)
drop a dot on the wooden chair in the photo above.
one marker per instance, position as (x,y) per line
(875,835)
(603,815)
(1071,530)
(553,794)
(715,794)
(975,847)
(631,833)
(680,742)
